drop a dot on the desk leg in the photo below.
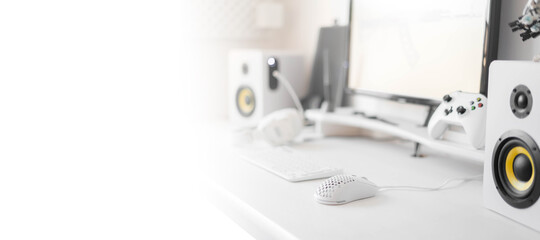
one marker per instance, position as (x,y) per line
(426,122)
(417,150)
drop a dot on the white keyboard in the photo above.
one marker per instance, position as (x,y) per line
(289,164)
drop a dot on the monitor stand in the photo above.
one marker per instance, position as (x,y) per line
(345,120)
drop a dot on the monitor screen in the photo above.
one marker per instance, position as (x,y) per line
(420,49)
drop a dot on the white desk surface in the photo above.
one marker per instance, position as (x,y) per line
(269,207)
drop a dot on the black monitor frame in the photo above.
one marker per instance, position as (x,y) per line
(491,45)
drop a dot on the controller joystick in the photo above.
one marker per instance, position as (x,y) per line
(470,113)
(461,110)
(447,98)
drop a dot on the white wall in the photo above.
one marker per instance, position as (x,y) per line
(305,17)
(219,26)
(208,66)
(93,143)
(302,20)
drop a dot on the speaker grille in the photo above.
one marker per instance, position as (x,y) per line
(245,101)
(516,158)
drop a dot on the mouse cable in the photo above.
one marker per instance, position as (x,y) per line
(290,89)
(440,187)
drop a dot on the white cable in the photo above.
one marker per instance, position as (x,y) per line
(290,89)
(440,187)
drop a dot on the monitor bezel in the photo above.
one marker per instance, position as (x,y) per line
(491,45)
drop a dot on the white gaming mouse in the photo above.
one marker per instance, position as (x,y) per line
(342,189)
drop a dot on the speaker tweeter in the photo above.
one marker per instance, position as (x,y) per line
(521,101)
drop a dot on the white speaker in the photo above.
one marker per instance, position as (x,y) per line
(511,177)
(254,92)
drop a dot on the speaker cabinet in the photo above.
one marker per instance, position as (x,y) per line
(254,92)
(511,178)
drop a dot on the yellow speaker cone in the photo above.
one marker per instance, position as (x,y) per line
(245,101)
(515,159)
(509,166)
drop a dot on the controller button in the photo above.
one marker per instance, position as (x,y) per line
(446,111)
(473,108)
(479,99)
(472,102)
(480,105)
(461,110)
(447,98)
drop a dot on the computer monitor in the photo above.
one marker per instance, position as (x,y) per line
(416,51)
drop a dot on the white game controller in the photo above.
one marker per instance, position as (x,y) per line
(467,110)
